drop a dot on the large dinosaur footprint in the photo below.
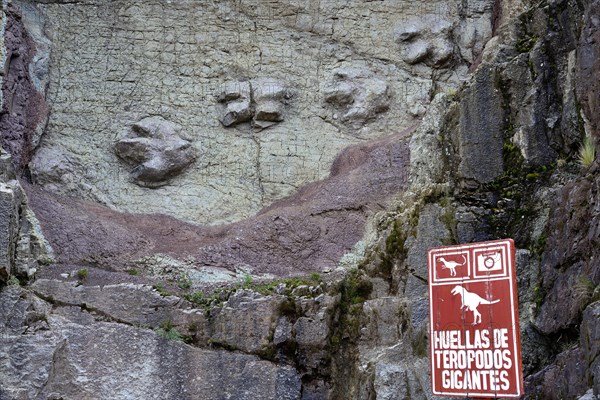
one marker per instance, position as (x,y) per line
(156,150)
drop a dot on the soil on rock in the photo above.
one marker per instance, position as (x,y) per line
(308,231)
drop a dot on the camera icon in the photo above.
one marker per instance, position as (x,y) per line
(489,261)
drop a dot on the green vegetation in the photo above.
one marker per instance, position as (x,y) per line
(525,44)
(167,331)
(515,188)
(268,353)
(452,94)
(161,290)
(207,300)
(184,281)
(526,40)
(394,250)
(288,308)
(196,298)
(538,297)
(268,288)
(587,152)
(82,274)
(355,288)
(133,272)
(13,281)
(448,217)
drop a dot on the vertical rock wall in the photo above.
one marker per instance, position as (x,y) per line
(195,111)
(351,72)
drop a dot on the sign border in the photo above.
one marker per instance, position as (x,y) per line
(511,276)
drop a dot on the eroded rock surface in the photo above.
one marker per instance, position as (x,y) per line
(308,231)
(65,355)
(426,39)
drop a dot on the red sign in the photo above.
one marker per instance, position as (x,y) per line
(474,317)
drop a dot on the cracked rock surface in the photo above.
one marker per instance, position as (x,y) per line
(267,62)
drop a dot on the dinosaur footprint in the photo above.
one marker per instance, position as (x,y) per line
(156,150)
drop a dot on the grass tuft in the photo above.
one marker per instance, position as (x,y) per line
(587,152)
(82,274)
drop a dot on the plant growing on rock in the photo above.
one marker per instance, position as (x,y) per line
(587,152)
(167,331)
(13,281)
(184,281)
(584,291)
(82,274)
(161,290)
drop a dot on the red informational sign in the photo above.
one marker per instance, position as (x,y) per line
(474,317)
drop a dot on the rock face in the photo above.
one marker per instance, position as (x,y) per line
(235,201)
(281,72)
(24,109)
(308,231)
(426,39)
(588,67)
(481,125)
(23,248)
(66,357)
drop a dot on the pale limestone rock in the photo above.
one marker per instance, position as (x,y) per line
(173,60)
(259,100)
(237,99)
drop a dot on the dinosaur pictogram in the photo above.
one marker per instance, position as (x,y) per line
(451,265)
(471,301)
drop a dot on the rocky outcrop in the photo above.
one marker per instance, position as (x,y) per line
(10,200)
(292,164)
(588,68)
(23,248)
(306,232)
(25,61)
(426,39)
(65,355)
(481,129)
(255,104)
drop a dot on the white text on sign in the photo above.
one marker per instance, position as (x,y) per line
(477,360)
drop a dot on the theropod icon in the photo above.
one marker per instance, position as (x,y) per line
(471,301)
(451,265)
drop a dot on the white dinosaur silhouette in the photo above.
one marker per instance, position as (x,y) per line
(451,265)
(471,301)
